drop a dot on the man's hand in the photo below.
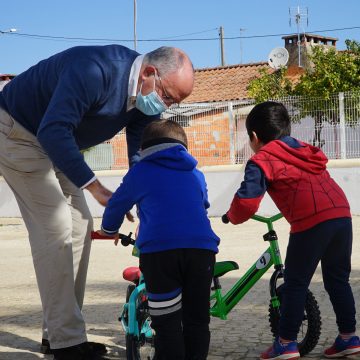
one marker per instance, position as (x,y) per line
(99,192)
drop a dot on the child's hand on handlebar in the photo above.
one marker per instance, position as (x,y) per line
(115,236)
(130,216)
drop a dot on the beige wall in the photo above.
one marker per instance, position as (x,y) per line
(222,181)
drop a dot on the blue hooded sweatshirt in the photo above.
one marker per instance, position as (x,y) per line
(171,197)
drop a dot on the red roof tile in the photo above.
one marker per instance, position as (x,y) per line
(224,83)
(293,73)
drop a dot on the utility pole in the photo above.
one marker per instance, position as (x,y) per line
(134,24)
(221,34)
(241,48)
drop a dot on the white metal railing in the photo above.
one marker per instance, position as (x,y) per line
(217,135)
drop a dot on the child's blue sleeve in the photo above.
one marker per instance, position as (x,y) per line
(203,185)
(122,201)
(254,184)
(247,199)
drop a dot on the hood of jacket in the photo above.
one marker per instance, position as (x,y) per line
(169,155)
(305,156)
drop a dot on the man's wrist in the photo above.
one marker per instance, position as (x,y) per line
(91,181)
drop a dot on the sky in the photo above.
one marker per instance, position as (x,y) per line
(44,27)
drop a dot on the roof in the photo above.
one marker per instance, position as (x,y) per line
(6,76)
(224,83)
(309,35)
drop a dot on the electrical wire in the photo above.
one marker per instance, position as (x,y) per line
(175,38)
(194,33)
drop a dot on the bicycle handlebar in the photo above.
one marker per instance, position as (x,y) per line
(126,240)
(268,220)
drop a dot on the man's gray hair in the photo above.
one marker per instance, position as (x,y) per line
(166,59)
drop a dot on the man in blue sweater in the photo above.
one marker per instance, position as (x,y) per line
(177,245)
(68,102)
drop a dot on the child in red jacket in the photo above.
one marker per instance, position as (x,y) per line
(295,176)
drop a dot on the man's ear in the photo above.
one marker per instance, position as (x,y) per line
(148,71)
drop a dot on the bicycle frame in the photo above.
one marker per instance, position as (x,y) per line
(225,303)
(130,326)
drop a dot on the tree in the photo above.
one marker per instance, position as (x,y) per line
(331,72)
(270,85)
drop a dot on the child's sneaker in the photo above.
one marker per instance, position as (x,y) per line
(342,348)
(281,351)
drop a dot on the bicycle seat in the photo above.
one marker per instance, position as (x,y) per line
(132,273)
(223,267)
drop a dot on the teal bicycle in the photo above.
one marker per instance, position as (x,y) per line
(136,320)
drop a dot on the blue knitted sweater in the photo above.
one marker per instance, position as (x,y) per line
(74,100)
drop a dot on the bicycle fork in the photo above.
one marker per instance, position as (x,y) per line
(278,273)
(224,303)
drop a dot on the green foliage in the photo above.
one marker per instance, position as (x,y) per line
(270,85)
(353,46)
(316,94)
(333,72)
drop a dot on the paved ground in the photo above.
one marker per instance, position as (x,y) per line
(242,336)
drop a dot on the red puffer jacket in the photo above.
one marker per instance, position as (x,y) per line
(299,184)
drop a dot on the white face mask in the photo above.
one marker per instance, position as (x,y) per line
(150,104)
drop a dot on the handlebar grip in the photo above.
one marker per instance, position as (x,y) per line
(126,240)
(97,236)
(225,219)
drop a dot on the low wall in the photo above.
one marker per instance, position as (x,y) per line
(222,181)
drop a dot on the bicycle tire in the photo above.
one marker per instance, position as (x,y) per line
(139,348)
(311,315)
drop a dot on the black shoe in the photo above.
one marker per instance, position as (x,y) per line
(84,351)
(78,352)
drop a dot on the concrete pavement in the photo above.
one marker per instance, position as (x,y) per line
(243,336)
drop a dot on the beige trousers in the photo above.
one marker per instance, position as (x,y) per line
(58,221)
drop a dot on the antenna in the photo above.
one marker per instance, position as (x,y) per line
(301,17)
(278,58)
(135,25)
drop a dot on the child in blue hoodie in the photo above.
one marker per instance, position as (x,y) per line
(177,245)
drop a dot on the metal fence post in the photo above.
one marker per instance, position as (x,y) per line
(231,133)
(342,126)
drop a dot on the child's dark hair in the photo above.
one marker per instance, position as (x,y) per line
(269,120)
(163,131)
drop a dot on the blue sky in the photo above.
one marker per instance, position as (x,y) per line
(160,19)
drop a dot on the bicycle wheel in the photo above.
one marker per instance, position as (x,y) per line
(310,329)
(140,347)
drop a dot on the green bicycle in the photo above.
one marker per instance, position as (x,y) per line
(222,304)
(136,320)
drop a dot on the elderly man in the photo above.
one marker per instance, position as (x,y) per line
(73,100)
(4,79)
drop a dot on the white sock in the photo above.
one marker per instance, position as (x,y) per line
(347,337)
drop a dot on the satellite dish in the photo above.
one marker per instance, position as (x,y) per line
(278,58)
